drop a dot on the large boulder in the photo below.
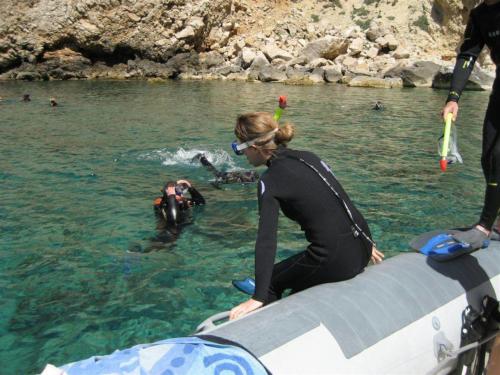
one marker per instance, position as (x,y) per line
(479,80)
(328,47)
(210,59)
(270,74)
(247,57)
(387,83)
(317,75)
(333,73)
(272,51)
(418,74)
(259,61)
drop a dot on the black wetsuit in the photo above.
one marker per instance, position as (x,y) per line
(482,29)
(170,208)
(336,252)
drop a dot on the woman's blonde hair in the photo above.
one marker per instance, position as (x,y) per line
(257,124)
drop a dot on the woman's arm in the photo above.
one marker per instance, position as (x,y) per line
(265,252)
(266,243)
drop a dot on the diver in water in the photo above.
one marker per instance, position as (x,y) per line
(26,98)
(172,213)
(174,203)
(53,102)
(238,177)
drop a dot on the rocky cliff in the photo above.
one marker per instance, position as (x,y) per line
(385,43)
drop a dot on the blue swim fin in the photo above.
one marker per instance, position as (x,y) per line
(246,286)
(442,246)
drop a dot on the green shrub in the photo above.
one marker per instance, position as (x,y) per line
(336,3)
(422,22)
(364,24)
(360,12)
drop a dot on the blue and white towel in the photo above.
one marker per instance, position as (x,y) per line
(178,356)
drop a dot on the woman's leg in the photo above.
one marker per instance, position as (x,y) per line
(292,272)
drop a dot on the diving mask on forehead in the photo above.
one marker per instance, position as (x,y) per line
(239,147)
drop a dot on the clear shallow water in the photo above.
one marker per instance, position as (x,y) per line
(77,184)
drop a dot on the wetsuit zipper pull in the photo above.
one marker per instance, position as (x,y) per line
(355,232)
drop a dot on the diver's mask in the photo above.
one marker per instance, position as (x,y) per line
(239,147)
(181,189)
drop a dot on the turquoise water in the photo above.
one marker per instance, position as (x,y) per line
(77,183)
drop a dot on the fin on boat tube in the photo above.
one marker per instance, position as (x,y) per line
(246,285)
(440,245)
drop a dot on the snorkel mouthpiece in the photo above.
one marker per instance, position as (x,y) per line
(443,163)
(282,104)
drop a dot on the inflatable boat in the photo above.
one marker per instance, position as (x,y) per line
(404,316)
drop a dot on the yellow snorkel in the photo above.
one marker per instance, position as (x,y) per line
(446,142)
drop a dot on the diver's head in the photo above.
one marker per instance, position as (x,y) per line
(181,189)
(53,102)
(259,135)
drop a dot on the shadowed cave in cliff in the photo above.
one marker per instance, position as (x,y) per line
(120,54)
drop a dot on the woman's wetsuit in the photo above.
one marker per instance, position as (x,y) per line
(336,252)
(483,28)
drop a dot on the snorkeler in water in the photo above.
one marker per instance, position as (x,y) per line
(238,177)
(26,98)
(53,102)
(378,106)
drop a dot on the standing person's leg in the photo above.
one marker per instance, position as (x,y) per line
(490,161)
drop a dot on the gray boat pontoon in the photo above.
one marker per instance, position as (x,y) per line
(400,317)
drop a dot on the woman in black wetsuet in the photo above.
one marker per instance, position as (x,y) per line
(307,192)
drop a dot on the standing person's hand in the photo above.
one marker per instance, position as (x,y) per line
(450,107)
(377,256)
(244,308)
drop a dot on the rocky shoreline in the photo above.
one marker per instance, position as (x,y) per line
(206,42)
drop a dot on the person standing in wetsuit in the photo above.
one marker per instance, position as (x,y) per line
(340,244)
(483,28)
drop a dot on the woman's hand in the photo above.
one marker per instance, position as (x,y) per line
(377,256)
(184,182)
(244,308)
